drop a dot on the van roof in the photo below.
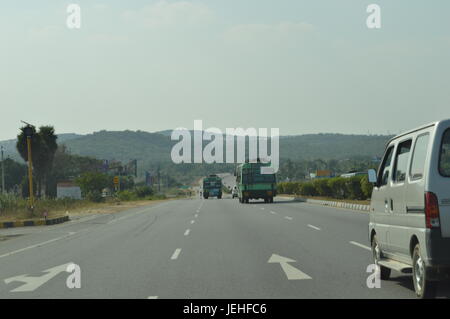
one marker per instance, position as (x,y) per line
(446,121)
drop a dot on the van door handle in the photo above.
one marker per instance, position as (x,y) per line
(392,205)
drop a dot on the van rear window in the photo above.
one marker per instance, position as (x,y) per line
(444,157)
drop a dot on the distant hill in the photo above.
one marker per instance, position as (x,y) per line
(9,146)
(156,147)
(331,146)
(122,145)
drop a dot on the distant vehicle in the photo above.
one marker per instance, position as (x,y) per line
(234,192)
(251,184)
(409,226)
(212,186)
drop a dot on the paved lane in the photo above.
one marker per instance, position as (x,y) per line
(198,248)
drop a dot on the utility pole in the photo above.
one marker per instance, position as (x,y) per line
(28,131)
(3,174)
(159,181)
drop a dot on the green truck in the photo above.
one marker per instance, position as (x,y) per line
(251,184)
(212,186)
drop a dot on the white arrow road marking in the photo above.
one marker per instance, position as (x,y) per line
(360,245)
(291,272)
(32,283)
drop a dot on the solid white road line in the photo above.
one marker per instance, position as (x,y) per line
(35,245)
(313,227)
(152,297)
(288,217)
(187,232)
(176,253)
(361,245)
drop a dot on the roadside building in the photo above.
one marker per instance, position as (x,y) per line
(68,190)
(323,173)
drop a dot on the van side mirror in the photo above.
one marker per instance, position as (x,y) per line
(372,176)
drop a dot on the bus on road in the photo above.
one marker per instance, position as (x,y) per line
(251,184)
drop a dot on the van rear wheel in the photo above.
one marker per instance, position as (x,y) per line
(385,272)
(423,287)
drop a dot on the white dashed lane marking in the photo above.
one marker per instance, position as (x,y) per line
(313,227)
(360,245)
(176,253)
(187,232)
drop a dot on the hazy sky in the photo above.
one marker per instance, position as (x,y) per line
(304,66)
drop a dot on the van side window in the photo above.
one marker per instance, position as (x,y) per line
(444,157)
(418,157)
(385,167)
(401,161)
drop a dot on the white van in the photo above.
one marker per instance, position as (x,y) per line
(409,227)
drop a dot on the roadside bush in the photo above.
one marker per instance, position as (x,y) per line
(94,196)
(92,184)
(290,187)
(143,191)
(280,188)
(356,188)
(337,187)
(307,189)
(126,195)
(321,187)
(353,187)
(366,187)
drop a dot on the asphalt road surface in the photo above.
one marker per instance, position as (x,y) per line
(195,248)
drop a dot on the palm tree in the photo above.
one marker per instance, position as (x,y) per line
(44,146)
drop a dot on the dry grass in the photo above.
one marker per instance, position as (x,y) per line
(75,208)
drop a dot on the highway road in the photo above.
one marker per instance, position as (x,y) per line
(195,248)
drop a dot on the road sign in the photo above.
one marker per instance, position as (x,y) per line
(116,180)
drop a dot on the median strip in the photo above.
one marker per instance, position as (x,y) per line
(41,222)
